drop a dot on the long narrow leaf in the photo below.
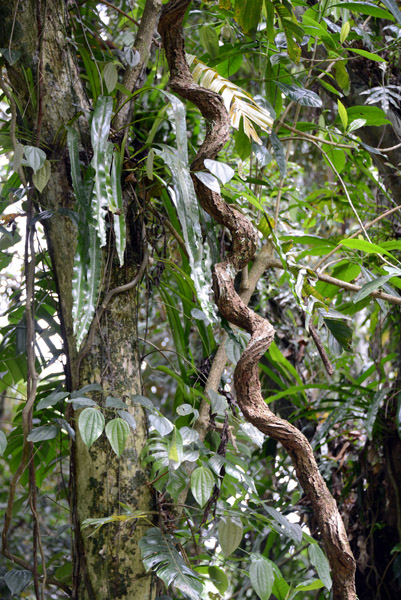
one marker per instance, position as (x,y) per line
(116,207)
(101,162)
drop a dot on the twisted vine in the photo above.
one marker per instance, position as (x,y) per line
(244,241)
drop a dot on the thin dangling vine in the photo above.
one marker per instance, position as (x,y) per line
(244,240)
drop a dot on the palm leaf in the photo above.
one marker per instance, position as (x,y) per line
(239,104)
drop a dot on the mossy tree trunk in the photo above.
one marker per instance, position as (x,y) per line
(106,565)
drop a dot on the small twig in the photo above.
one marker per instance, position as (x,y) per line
(314,138)
(320,348)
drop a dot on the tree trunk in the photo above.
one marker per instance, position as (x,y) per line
(107,564)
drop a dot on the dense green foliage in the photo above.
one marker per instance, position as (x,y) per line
(233,521)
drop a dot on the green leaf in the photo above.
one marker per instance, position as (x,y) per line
(17,580)
(283,525)
(219,579)
(128,418)
(35,157)
(185,201)
(261,575)
(91,425)
(209,181)
(342,76)
(202,483)
(42,433)
(81,402)
(223,172)
(101,162)
(341,332)
(115,403)
(373,410)
(209,40)
(366,8)
(345,29)
(373,115)
(159,554)
(311,584)
(219,403)
(371,286)
(142,401)
(366,54)
(248,14)
(18,155)
(365,246)
(342,111)
(116,207)
(51,399)
(175,452)
(393,8)
(3,442)
(356,124)
(110,76)
(300,95)
(161,424)
(117,432)
(243,144)
(230,534)
(42,176)
(321,564)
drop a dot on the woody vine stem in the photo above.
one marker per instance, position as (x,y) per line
(244,242)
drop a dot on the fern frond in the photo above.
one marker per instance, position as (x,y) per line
(238,103)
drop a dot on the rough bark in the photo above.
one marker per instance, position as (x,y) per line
(231,306)
(107,565)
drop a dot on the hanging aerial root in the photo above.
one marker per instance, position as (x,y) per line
(246,376)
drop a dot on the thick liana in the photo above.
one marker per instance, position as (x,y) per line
(246,376)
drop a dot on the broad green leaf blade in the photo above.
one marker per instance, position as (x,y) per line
(101,162)
(51,399)
(142,401)
(110,76)
(117,432)
(17,580)
(300,95)
(209,181)
(77,183)
(202,483)
(220,170)
(41,177)
(248,12)
(371,286)
(230,534)
(219,402)
(219,578)
(130,419)
(261,575)
(42,433)
(91,425)
(35,157)
(369,55)
(175,452)
(209,40)
(342,111)
(365,246)
(3,442)
(112,402)
(159,554)
(366,8)
(321,564)
(81,402)
(341,332)
(162,425)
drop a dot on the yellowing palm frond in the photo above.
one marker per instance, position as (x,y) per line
(238,103)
